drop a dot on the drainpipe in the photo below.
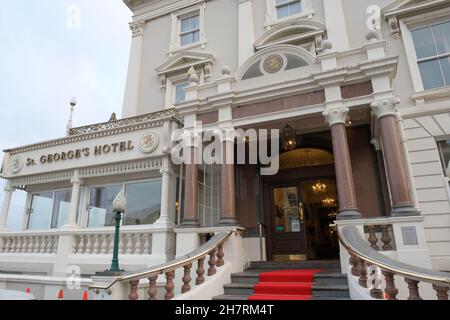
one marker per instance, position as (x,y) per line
(412,183)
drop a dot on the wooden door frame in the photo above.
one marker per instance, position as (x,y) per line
(286,177)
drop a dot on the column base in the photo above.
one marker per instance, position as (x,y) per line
(190,224)
(164,223)
(349,214)
(228,222)
(406,211)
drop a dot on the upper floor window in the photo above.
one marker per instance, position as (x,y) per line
(180,94)
(432,44)
(286,8)
(190,29)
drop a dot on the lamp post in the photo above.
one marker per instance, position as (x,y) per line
(119,206)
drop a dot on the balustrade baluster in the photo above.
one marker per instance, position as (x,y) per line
(362,268)
(81,244)
(96,244)
(111,244)
(88,249)
(186,279)
(212,263)
(138,244)
(129,243)
(104,246)
(152,291)
(31,245)
(37,244)
(220,255)
(376,292)
(134,290)
(200,271)
(14,244)
(21,244)
(26,243)
(441,292)
(169,285)
(354,263)
(413,286)
(42,244)
(147,245)
(122,243)
(54,244)
(390,289)
(386,238)
(373,238)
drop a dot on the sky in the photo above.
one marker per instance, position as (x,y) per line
(50,51)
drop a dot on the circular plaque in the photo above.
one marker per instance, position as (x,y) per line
(149,142)
(273,63)
(16,164)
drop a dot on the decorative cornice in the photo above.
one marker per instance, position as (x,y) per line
(94,131)
(385,107)
(336,115)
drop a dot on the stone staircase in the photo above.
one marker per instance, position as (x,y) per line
(330,284)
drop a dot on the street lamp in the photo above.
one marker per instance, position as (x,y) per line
(119,206)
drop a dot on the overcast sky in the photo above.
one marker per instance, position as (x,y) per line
(51,50)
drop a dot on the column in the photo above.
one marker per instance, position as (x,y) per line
(227,181)
(6,206)
(131,96)
(74,202)
(385,110)
(246,31)
(166,173)
(348,208)
(190,217)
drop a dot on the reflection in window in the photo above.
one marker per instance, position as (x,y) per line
(41,211)
(432,44)
(180,94)
(287,209)
(143,202)
(286,8)
(100,206)
(61,208)
(190,29)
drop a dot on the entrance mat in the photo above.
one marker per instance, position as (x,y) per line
(285,285)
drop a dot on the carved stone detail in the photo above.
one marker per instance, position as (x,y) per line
(385,107)
(137,28)
(336,115)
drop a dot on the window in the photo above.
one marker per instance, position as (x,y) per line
(180,94)
(190,29)
(432,45)
(444,151)
(49,209)
(143,204)
(286,8)
(209,194)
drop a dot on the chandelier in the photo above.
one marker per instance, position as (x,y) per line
(288,139)
(319,187)
(329,202)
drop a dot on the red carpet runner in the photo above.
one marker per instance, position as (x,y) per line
(285,285)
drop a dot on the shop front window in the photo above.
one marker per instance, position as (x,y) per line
(143,202)
(100,206)
(49,210)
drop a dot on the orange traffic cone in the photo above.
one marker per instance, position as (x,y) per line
(28,290)
(61,294)
(85,296)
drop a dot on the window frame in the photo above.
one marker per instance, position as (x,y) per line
(407,25)
(123,189)
(272,13)
(29,208)
(287,4)
(441,157)
(176,18)
(182,33)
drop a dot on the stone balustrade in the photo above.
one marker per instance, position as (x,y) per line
(29,243)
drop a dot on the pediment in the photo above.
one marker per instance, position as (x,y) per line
(184,60)
(291,33)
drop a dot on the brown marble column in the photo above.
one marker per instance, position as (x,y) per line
(228,188)
(348,208)
(385,110)
(190,216)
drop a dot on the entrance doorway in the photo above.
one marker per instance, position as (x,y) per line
(299,205)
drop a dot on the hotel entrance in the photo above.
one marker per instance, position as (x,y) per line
(300,203)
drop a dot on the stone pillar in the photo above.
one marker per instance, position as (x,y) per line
(227,181)
(74,202)
(246,31)
(190,217)
(166,173)
(385,110)
(348,208)
(131,96)
(6,206)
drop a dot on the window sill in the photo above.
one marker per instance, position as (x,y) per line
(305,14)
(422,96)
(174,50)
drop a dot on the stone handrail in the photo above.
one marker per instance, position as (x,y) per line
(362,256)
(213,248)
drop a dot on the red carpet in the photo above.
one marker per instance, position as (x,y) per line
(285,285)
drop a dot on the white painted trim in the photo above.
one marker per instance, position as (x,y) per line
(272,18)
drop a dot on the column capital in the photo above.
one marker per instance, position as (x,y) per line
(9,188)
(76,180)
(385,107)
(137,28)
(163,171)
(336,115)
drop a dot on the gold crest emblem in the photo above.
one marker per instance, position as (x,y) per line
(273,63)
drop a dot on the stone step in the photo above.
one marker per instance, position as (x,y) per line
(331,290)
(330,277)
(325,264)
(231,297)
(241,289)
(245,277)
